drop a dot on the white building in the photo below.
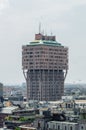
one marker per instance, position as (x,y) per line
(57,125)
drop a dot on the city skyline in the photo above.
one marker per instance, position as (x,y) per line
(19,21)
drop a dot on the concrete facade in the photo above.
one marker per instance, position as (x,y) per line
(56,125)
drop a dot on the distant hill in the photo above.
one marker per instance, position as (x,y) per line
(70,85)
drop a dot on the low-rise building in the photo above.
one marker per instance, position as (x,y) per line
(56,125)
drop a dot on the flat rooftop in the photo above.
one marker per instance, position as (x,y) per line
(44,42)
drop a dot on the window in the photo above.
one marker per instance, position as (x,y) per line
(65,128)
(81,127)
(53,127)
(58,127)
(71,128)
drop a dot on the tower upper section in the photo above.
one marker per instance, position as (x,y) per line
(44,53)
(40,36)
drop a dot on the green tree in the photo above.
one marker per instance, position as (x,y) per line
(17,128)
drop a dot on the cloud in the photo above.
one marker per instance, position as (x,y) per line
(78,2)
(3,5)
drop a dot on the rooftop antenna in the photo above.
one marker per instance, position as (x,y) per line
(39,28)
(51,32)
(43,31)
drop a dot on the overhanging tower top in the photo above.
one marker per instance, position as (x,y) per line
(41,39)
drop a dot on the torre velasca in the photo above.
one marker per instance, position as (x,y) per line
(45,65)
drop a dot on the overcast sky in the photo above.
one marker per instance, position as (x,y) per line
(19,20)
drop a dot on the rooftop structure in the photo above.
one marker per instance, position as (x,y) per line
(27,128)
(45,65)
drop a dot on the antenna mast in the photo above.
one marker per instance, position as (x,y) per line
(39,28)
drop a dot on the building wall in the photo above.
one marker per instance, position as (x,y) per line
(1,90)
(55,125)
(45,57)
(82,124)
(45,85)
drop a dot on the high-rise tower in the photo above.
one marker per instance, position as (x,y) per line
(45,65)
